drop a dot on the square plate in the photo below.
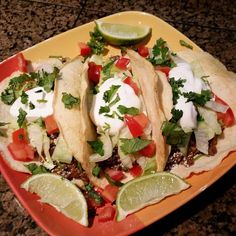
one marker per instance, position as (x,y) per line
(53,222)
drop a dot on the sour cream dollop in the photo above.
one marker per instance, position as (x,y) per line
(39,98)
(192,84)
(128,98)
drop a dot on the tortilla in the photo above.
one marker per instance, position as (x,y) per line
(223,84)
(74,124)
(148,80)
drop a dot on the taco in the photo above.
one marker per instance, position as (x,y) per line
(202,130)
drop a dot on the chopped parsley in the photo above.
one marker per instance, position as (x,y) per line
(184,44)
(24,97)
(97,146)
(35,169)
(21,117)
(104,109)
(176,85)
(106,70)
(128,110)
(199,98)
(96,42)
(176,115)
(109,94)
(96,170)
(161,54)
(93,194)
(129,146)
(69,100)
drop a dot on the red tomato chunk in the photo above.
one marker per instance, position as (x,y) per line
(110,192)
(51,125)
(122,63)
(164,69)
(148,151)
(132,84)
(106,214)
(143,51)
(136,170)
(116,175)
(85,50)
(20,136)
(94,72)
(21,152)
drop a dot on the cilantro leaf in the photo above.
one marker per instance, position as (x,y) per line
(117,99)
(31,106)
(93,194)
(176,85)
(21,117)
(128,110)
(97,146)
(176,115)
(106,70)
(35,169)
(108,95)
(199,98)
(8,96)
(129,146)
(112,181)
(104,109)
(96,170)
(40,122)
(69,100)
(184,44)
(24,97)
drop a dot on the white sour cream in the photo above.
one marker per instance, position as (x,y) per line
(183,71)
(42,109)
(128,98)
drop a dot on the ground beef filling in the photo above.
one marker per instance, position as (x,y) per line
(178,158)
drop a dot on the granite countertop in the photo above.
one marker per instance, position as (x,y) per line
(210,24)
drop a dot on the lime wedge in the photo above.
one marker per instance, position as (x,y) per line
(147,190)
(61,194)
(119,34)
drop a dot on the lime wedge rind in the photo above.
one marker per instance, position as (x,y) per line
(67,198)
(147,191)
(120,34)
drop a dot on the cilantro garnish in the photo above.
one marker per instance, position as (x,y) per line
(96,171)
(31,106)
(104,109)
(117,99)
(106,127)
(176,115)
(106,70)
(108,95)
(21,117)
(129,146)
(42,100)
(128,110)
(114,113)
(184,44)
(35,169)
(24,97)
(176,85)
(93,194)
(111,181)
(69,100)
(161,54)
(97,146)
(199,98)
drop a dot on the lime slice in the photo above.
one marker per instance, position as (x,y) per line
(119,34)
(61,194)
(147,190)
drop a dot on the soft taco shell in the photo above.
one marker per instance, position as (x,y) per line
(223,84)
(148,80)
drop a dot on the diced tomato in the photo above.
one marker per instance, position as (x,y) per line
(143,51)
(20,136)
(132,84)
(13,64)
(106,214)
(142,120)
(227,118)
(93,204)
(21,152)
(164,69)
(110,192)
(136,170)
(122,63)
(51,125)
(94,72)
(149,151)
(116,175)
(85,50)
(134,127)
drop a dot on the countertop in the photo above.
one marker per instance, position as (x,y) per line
(210,24)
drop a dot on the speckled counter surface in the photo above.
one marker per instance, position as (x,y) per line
(210,24)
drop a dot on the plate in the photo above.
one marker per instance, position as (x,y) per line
(53,222)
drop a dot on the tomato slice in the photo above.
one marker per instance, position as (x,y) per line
(122,63)
(94,72)
(164,69)
(149,150)
(116,175)
(21,152)
(143,51)
(51,125)
(20,136)
(132,84)
(142,120)
(110,192)
(136,170)
(106,214)
(226,118)
(134,127)
(13,64)
(85,50)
